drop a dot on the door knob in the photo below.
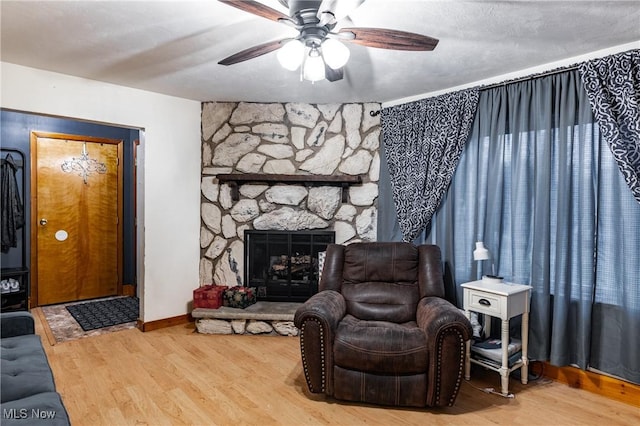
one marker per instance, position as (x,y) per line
(43,221)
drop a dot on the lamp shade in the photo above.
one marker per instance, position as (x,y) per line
(291,54)
(335,53)
(481,252)
(313,66)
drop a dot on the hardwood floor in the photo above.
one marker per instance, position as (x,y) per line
(174,376)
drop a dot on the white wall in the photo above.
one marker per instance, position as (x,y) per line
(169,170)
(522,73)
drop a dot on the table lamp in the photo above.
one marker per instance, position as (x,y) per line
(482,253)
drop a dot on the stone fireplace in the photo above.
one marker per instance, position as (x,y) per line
(292,140)
(304,168)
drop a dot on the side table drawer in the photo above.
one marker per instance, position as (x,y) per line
(485,303)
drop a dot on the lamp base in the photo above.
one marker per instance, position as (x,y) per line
(492,278)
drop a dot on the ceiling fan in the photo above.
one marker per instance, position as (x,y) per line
(318,49)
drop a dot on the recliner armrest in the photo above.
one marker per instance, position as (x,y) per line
(317,319)
(16,324)
(328,306)
(447,330)
(435,313)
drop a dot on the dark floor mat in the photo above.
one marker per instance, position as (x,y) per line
(105,313)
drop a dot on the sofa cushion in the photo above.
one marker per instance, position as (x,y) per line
(44,408)
(25,369)
(380,346)
(16,324)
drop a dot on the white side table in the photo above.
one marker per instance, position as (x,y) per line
(505,301)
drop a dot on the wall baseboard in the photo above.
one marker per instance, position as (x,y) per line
(164,323)
(601,384)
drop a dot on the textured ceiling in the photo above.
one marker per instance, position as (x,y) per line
(173,47)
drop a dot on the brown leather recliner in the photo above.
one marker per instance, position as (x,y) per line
(379,330)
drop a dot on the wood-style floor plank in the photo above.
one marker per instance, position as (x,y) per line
(174,376)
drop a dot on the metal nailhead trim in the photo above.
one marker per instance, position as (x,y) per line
(322,358)
(439,366)
(322,355)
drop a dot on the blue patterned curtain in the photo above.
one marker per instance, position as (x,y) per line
(423,141)
(613,86)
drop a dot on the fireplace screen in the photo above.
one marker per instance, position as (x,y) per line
(283,265)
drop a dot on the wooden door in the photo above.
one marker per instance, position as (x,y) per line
(76,205)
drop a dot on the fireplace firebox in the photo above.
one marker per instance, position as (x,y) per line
(283,265)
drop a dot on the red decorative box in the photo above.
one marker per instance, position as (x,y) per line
(239,297)
(208,296)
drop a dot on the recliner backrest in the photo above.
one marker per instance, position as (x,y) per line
(380,281)
(430,275)
(377,280)
(383,281)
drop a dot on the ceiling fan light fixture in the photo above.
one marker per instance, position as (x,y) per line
(317,52)
(313,68)
(335,53)
(291,55)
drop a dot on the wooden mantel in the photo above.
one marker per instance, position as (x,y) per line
(234,180)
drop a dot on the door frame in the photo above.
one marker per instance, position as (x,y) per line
(35,134)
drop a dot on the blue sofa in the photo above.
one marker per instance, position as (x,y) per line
(28,394)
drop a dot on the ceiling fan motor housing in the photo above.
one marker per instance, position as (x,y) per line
(305,14)
(298,6)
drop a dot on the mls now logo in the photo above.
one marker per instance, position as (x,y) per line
(23,413)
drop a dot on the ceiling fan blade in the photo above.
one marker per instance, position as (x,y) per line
(253,52)
(388,39)
(331,11)
(258,9)
(333,75)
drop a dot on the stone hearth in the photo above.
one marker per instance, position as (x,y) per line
(265,318)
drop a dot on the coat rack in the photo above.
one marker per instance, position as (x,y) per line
(14,284)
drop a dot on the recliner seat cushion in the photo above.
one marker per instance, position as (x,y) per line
(380,346)
(25,369)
